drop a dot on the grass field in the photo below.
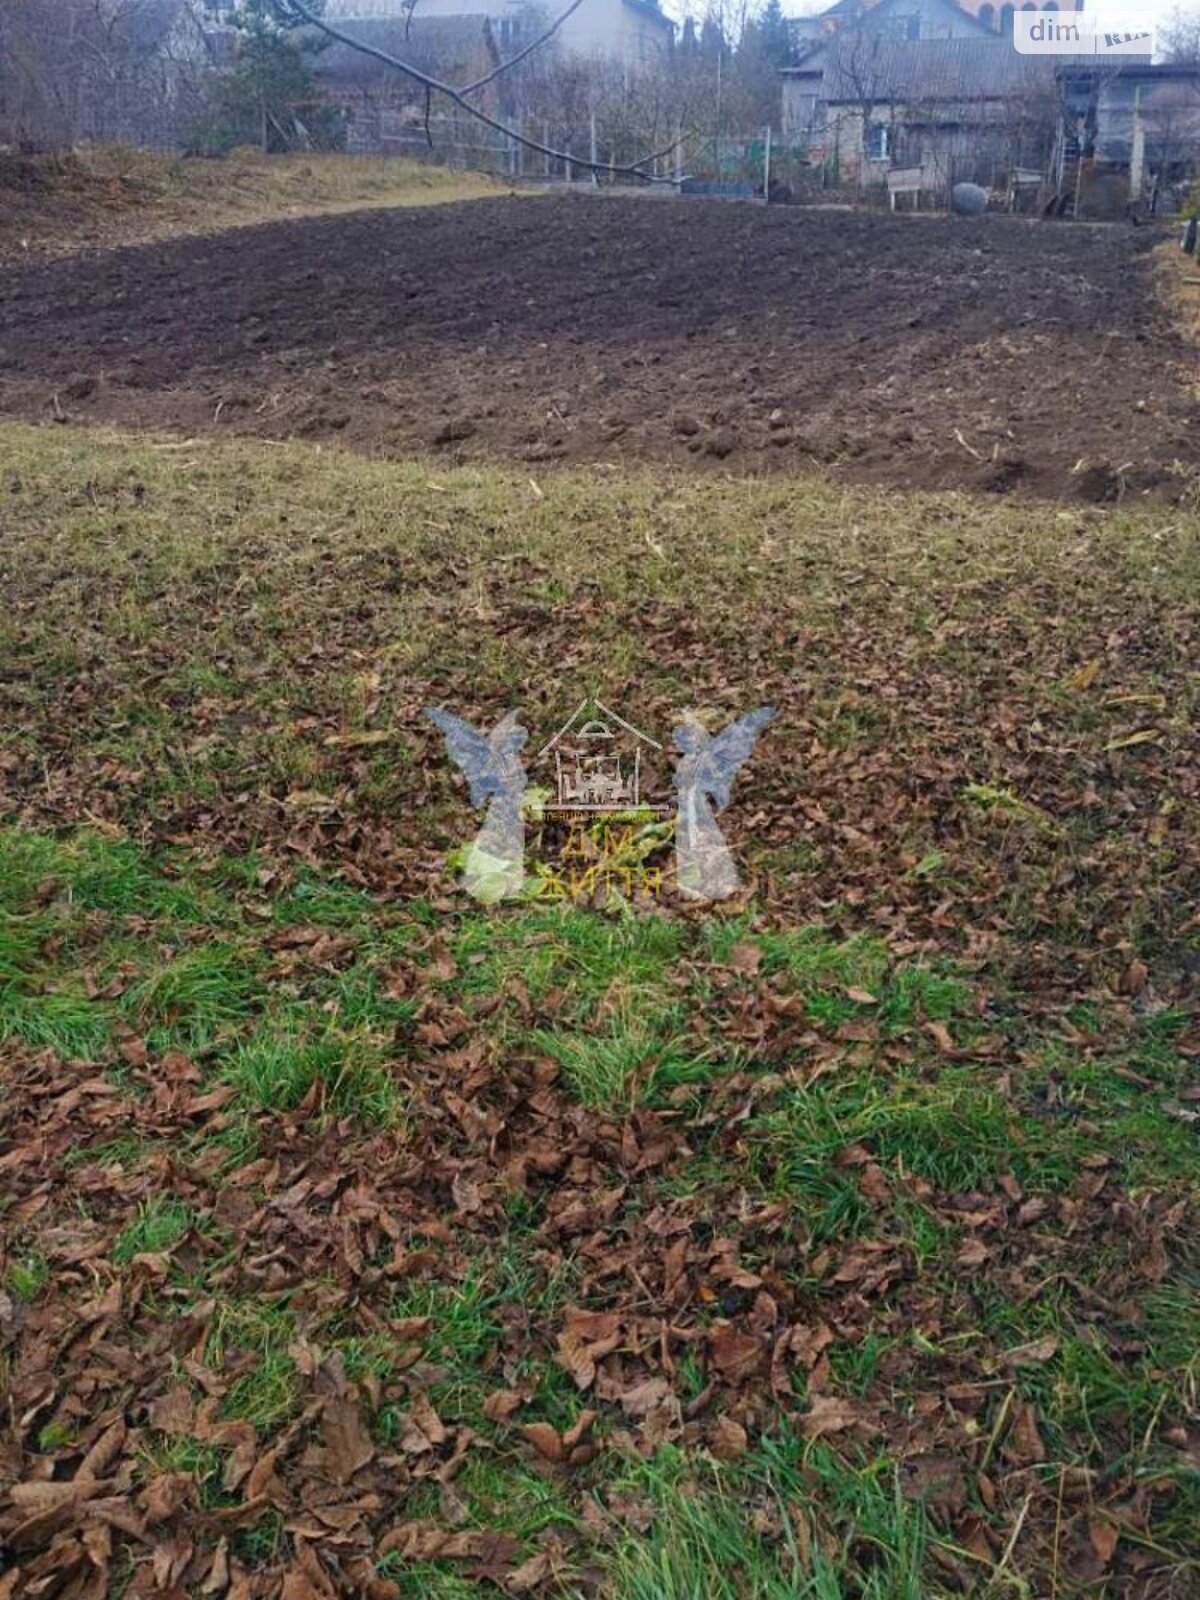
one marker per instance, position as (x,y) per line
(839,1243)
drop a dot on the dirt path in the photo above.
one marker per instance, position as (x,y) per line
(999,354)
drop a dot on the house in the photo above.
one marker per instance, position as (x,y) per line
(456,49)
(460,42)
(1000,17)
(960,108)
(944,110)
(1139,122)
(873,24)
(385,112)
(890,19)
(633,34)
(915,19)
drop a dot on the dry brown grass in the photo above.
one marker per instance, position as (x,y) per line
(99,198)
(1178,279)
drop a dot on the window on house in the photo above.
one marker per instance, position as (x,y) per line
(879,141)
(987,15)
(903,26)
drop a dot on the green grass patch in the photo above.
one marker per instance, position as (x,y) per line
(280,1063)
(626,1064)
(67,875)
(196,996)
(753,1531)
(952,1130)
(28,1275)
(67,1023)
(159,1224)
(250,1340)
(807,957)
(591,958)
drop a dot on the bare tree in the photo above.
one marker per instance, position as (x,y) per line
(1171,133)
(1179,37)
(865,84)
(102,69)
(458,95)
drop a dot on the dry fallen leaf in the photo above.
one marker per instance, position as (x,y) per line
(348,1445)
(829,1413)
(422,1429)
(356,741)
(1085,676)
(1129,740)
(1104,1537)
(735,1355)
(501,1404)
(166,1494)
(577,1358)
(1023,1446)
(1027,1354)
(745,958)
(544,1439)
(728,1439)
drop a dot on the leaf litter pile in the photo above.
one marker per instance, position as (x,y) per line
(358,1240)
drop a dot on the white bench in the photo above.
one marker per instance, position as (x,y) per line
(904,180)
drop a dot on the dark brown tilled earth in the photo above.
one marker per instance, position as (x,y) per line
(999,353)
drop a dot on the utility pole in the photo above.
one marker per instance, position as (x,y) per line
(717,116)
(1137,152)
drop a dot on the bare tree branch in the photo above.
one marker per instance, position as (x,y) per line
(470,88)
(296,8)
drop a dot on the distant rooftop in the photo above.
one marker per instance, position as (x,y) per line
(851,65)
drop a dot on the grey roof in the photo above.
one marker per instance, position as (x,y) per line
(856,65)
(867,13)
(1139,68)
(442,46)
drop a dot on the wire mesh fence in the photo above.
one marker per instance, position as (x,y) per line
(737,165)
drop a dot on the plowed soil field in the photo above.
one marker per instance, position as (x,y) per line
(999,353)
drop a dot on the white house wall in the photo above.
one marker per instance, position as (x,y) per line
(934,19)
